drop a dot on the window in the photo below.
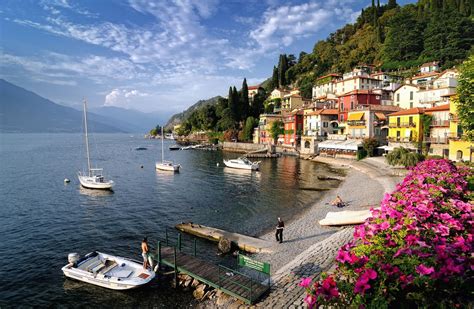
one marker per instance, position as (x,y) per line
(341,118)
(398,135)
(410,120)
(411,104)
(398,97)
(398,121)
(352,105)
(306,144)
(342,106)
(325,124)
(411,95)
(459,155)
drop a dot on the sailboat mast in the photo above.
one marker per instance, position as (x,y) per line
(162,147)
(87,139)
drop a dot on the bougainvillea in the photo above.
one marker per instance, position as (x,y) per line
(416,250)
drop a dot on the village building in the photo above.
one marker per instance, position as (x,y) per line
(293,100)
(370,122)
(254,90)
(278,93)
(293,129)
(438,141)
(459,149)
(406,96)
(433,93)
(354,99)
(429,67)
(317,125)
(405,129)
(325,87)
(262,133)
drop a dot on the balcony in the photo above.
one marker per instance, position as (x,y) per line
(436,140)
(440,123)
(354,123)
(402,125)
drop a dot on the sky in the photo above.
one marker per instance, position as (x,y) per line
(156,56)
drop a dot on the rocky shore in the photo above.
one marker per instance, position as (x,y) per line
(308,248)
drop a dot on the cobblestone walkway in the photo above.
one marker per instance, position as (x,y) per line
(285,291)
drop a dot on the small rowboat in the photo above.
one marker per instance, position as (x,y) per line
(108,271)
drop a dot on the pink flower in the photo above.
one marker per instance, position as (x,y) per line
(328,288)
(423,270)
(305,282)
(310,300)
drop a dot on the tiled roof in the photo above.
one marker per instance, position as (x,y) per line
(428,64)
(425,75)
(410,111)
(444,107)
(253,87)
(328,75)
(358,92)
(325,111)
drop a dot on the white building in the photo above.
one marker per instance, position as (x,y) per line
(444,85)
(406,96)
(429,67)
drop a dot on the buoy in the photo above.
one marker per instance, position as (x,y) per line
(141,166)
(66,180)
(217,164)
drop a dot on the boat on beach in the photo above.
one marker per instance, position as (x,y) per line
(174,147)
(108,271)
(166,165)
(94,178)
(242,163)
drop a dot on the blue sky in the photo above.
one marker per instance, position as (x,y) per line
(156,56)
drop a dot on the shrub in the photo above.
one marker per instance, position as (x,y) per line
(415,251)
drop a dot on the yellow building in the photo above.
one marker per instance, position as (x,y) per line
(405,128)
(459,150)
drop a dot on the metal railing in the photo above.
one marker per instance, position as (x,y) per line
(440,123)
(402,125)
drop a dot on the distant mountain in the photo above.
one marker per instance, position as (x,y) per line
(136,120)
(179,118)
(24,111)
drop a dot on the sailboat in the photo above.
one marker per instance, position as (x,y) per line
(166,165)
(94,178)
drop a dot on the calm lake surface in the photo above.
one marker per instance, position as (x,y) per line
(42,219)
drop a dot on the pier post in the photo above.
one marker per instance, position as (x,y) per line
(179,242)
(158,253)
(175,270)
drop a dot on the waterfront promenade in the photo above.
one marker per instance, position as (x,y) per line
(308,248)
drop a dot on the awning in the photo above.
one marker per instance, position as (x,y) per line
(280,139)
(380,116)
(386,148)
(343,145)
(355,116)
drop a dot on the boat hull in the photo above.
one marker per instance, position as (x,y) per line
(253,167)
(89,183)
(166,167)
(137,278)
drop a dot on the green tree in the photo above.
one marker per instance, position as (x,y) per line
(276,129)
(370,144)
(226,121)
(392,4)
(403,40)
(244,100)
(465,100)
(250,124)
(274,82)
(282,67)
(257,105)
(402,156)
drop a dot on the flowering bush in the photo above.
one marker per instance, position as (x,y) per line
(416,250)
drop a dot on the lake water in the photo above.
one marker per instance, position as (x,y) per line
(42,219)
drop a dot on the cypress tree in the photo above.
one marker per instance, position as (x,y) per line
(374,14)
(237,108)
(274,81)
(232,104)
(282,67)
(244,100)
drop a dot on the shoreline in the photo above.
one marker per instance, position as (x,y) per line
(308,248)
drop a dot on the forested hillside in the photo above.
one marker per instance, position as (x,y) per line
(389,36)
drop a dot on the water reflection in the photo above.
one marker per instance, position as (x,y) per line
(241,174)
(95,193)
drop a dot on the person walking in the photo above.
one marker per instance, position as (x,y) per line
(279,230)
(145,252)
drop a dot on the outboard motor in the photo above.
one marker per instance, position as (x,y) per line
(73,258)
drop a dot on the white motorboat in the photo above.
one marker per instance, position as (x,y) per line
(242,163)
(94,178)
(166,165)
(107,271)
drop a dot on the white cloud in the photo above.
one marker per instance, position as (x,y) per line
(285,24)
(123,97)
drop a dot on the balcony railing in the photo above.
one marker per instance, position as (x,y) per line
(356,123)
(440,123)
(402,125)
(436,140)
(400,139)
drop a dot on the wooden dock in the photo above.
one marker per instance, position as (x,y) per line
(244,242)
(227,280)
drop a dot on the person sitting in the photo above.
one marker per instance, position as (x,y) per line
(338,202)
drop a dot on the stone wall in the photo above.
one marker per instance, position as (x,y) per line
(242,147)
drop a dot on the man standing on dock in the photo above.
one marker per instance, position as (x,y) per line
(279,230)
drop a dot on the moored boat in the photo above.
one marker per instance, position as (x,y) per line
(166,165)
(242,163)
(108,271)
(94,178)
(174,147)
